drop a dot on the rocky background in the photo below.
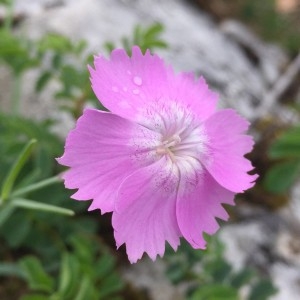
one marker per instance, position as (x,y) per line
(250,74)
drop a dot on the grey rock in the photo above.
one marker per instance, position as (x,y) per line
(196,43)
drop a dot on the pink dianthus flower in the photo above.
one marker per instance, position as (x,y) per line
(163,160)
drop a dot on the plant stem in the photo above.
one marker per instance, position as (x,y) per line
(9,16)
(36,186)
(16,94)
(29,204)
(15,170)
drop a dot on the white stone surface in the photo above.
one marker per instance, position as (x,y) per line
(150,275)
(196,42)
(268,242)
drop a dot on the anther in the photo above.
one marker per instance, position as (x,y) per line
(173,141)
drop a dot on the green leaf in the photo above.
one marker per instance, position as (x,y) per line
(155,44)
(241,278)
(14,51)
(5,212)
(86,290)
(145,38)
(56,42)
(127,45)
(105,265)
(42,81)
(218,269)
(14,129)
(29,204)
(5,2)
(18,231)
(262,290)
(153,31)
(281,177)
(37,278)
(137,35)
(57,60)
(13,233)
(36,186)
(215,292)
(69,277)
(83,249)
(109,47)
(15,170)
(80,47)
(111,284)
(287,145)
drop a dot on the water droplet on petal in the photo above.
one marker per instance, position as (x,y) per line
(115,89)
(137,80)
(136,91)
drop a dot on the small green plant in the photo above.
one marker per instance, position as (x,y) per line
(286,152)
(146,38)
(210,277)
(86,271)
(11,199)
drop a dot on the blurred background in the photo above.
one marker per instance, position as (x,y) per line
(248,50)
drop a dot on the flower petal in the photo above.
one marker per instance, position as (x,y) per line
(194,93)
(101,151)
(125,85)
(145,216)
(197,209)
(226,148)
(128,85)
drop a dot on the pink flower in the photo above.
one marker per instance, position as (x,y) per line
(163,160)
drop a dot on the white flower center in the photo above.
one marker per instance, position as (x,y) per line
(173,133)
(182,139)
(168,146)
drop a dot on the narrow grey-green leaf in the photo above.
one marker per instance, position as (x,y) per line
(15,169)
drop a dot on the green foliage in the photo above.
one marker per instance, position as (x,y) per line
(287,145)
(87,271)
(268,22)
(215,292)
(262,290)
(16,52)
(35,275)
(74,84)
(147,38)
(211,277)
(74,91)
(15,170)
(286,150)
(9,197)
(15,131)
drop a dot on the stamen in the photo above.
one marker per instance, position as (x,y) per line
(171,155)
(173,141)
(181,137)
(162,150)
(165,147)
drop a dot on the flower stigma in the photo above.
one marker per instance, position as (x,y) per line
(168,145)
